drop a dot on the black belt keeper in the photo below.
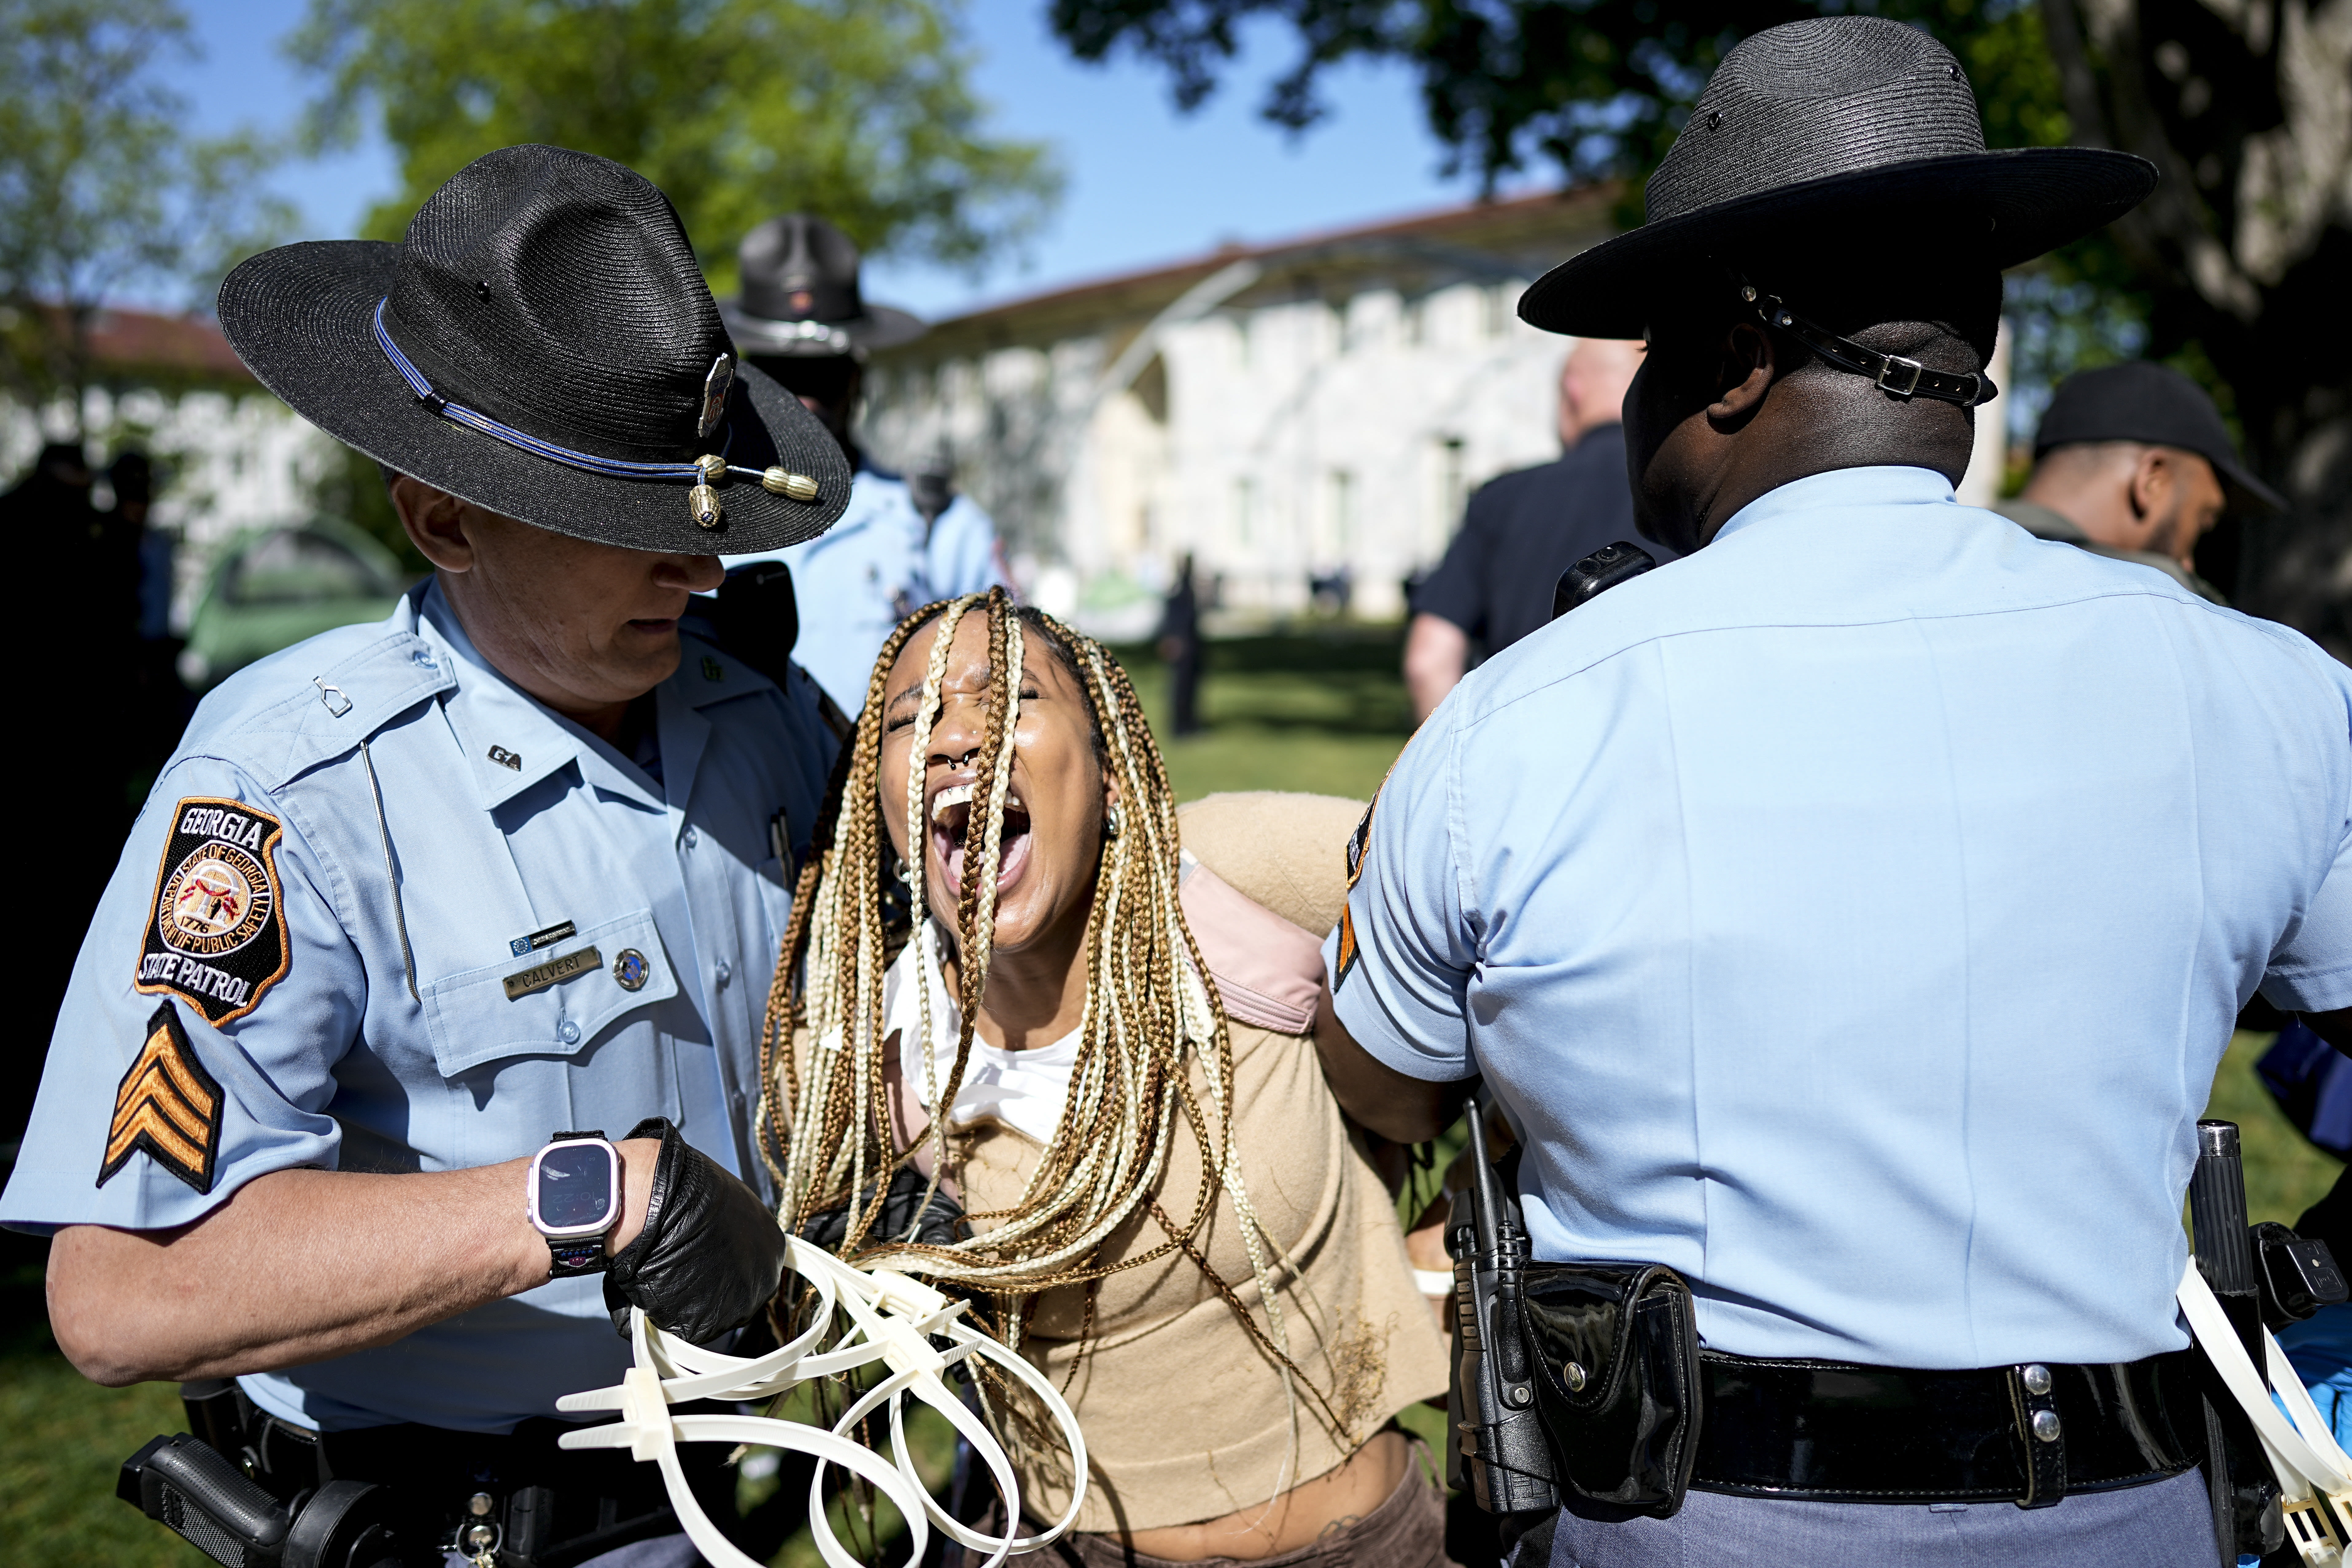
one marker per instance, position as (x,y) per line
(2028,1434)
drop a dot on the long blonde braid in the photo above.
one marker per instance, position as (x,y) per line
(1150,1021)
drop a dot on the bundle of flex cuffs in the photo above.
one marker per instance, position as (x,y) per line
(894,1320)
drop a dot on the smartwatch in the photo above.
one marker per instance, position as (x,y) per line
(575,1199)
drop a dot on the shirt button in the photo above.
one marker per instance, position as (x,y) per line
(692,838)
(568,1032)
(726,972)
(424,658)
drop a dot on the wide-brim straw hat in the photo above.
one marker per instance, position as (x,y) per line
(1842,132)
(802,295)
(552,295)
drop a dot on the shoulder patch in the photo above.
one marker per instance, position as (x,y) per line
(1348,950)
(168,1105)
(1359,843)
(216,936)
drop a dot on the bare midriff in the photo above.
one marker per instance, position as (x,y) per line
(1327,1504)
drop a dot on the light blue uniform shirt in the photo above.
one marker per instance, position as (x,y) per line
(858,579)
(1852,914)
(336,1066)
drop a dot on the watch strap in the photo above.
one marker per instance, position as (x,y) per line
(577,1257)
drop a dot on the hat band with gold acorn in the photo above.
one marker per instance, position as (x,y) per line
(704,472)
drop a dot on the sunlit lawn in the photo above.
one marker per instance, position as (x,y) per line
(1320,710)
(1323,712)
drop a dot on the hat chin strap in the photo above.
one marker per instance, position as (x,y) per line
(1905,378)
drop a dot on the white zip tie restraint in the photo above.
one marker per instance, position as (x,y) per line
(892,1319)
(2302,1450)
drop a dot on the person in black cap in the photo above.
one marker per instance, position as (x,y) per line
(499,873)
(1849,920)
(802,318)
(2132,461)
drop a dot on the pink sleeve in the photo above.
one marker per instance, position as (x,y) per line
(1269,971)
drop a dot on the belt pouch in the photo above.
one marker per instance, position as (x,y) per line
(1616,1352)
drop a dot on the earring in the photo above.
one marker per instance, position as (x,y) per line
(900,869)
(1113,824)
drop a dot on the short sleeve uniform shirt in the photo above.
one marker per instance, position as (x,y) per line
(1852,916)
(857,581)
(588,942)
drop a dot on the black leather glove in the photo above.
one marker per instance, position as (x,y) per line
(941,1219)
(711,1254)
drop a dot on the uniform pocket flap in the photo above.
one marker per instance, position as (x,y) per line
(550,1003)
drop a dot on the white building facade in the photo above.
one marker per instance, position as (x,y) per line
(1316,409)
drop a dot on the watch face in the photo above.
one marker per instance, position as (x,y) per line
(575,1186)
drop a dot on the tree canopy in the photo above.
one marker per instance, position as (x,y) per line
(101,194)
(2233,269)
(739,109)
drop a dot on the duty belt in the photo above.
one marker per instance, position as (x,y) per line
(513,1499)
(1836,1432)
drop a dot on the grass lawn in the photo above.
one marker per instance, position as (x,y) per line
(1320,710)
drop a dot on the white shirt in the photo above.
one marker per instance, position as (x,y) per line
(1026,1090)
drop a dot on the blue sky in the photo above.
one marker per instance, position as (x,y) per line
(1145,183)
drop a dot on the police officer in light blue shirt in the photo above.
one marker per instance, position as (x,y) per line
(802,319)
(1851,916)
(412,901)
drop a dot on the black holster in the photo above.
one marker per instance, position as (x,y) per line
(547,1506)
(1615,1347)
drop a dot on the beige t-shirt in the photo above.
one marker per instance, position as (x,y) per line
(1184,1414)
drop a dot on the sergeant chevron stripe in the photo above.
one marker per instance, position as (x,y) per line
(168,1105)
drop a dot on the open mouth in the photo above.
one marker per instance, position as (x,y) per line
(952,814)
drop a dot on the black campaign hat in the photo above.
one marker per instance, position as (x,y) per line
(541,343)
(1853,130)
(801,294)
(2148,402)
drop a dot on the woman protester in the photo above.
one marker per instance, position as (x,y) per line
(1160,1204)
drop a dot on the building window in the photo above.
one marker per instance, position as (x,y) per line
(1342,514)
(1452,487)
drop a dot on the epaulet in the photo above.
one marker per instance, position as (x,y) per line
(708,673)
(315,701)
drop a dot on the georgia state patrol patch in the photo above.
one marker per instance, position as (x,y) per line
(168,1105)
(1348,949)
(217,939)
(1359,843)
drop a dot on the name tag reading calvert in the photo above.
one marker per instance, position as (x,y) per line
(540,976)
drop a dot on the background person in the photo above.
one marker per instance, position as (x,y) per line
(1764,896)
(802,319)
(1522,529)
(1090,1076)
(2132,461)
(1181,650)
(415,900)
